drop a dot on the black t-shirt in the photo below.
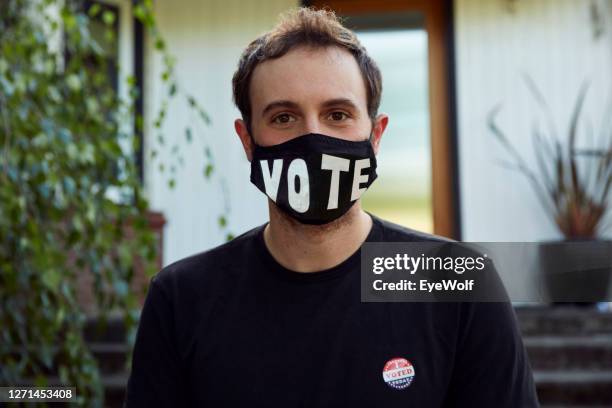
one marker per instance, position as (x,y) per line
(231,327)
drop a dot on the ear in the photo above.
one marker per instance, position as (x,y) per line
(245,137)
(380,124)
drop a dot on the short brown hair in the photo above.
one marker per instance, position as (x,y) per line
(304,26)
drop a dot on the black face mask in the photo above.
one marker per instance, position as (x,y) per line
(314,178)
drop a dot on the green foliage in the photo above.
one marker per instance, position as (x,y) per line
(70,196)
(573,184)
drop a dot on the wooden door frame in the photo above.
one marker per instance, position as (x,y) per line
(438,24)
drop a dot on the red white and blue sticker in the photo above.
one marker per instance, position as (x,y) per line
(398,373)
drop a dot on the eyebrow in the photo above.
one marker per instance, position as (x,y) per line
(339,102)
(292,105)
(279,104)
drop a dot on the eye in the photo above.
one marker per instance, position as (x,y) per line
(283,118)
(338,116)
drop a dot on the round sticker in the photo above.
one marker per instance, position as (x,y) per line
(398,373)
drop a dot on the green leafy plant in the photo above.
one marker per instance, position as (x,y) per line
(70,195)
(572,183)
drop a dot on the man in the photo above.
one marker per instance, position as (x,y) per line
(274,318)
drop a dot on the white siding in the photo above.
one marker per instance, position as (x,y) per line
(552,41)
(206,37)
(549,39)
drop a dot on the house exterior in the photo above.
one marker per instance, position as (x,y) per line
(460,60)
(489,45)
(466,58)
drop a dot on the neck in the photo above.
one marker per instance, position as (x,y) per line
(309,248)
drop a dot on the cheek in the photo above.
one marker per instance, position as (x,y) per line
(356,130)
(267,135)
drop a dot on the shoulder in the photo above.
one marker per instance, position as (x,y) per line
(391,232)
(220,262)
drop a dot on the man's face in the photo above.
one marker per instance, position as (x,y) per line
(309,90)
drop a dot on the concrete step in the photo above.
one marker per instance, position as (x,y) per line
(111,357)
(114,389)
(107,342)
(111,331)
(573,388)
(570,352)
(563,321)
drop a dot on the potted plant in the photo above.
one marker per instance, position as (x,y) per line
(573,184)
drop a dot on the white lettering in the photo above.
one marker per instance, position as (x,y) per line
(271,181)
(298,200)
(359,178)
(336,165)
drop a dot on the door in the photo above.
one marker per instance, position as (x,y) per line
(408,40)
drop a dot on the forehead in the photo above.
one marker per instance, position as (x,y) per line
(308,76)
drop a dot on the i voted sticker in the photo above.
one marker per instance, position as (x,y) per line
(398,373)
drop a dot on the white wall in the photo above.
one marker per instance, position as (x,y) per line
(549,39)
(552,41)
(206,37)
